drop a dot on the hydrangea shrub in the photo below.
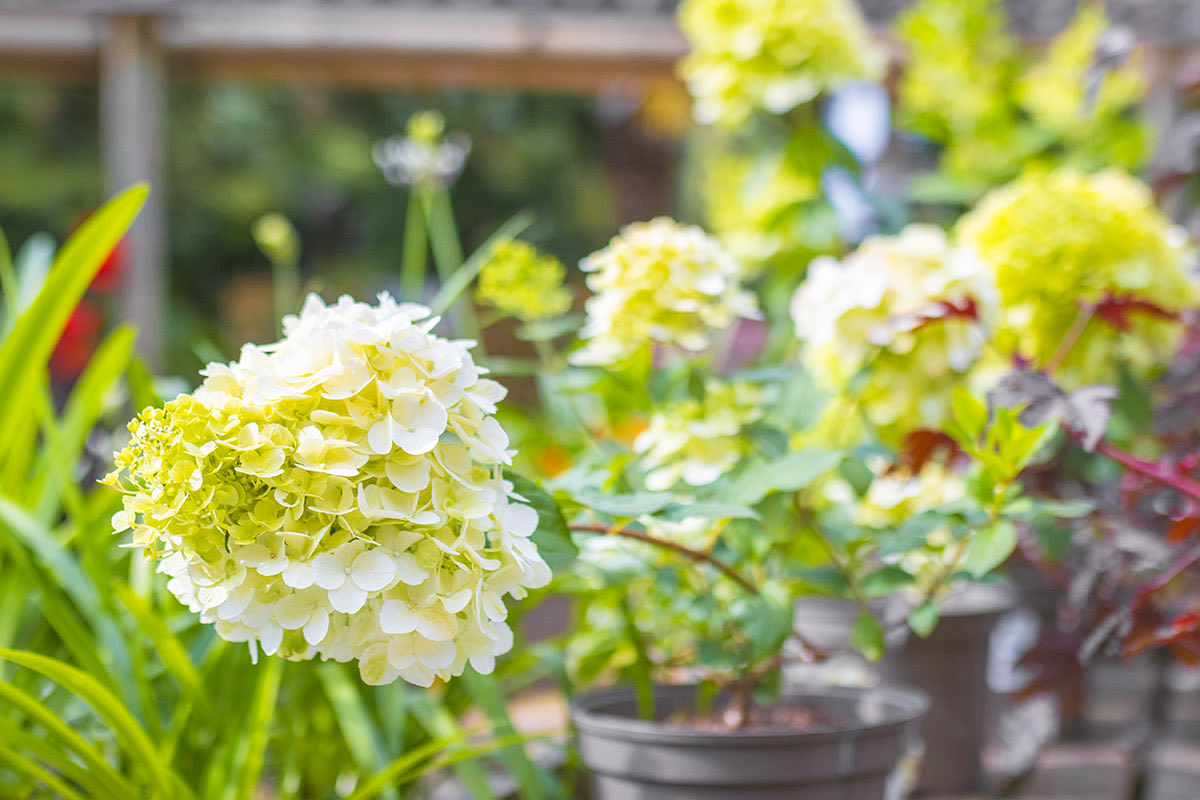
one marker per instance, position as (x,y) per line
(339,493)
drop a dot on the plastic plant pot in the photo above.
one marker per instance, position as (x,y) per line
(859,758)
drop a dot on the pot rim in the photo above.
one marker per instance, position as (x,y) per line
(906,706)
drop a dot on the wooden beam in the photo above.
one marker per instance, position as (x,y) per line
(132,104)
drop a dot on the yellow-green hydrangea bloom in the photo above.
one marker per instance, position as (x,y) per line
(698,441)
(1053,90)
(659,282)
(524,283)
(909,310)
(339,493)
(771,55)
(1057,240)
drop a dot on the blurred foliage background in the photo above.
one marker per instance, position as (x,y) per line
(237,151)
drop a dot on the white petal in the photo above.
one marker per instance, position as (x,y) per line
(379,437)
(434,622)
(317,626)
(407,569)
(457,601)
(435,655)
(293,611)
(270,636)
(299,575)
(328,571)
(372,570)
(400,652)
(347,598)
(397,617)
(408,477)
(418,675)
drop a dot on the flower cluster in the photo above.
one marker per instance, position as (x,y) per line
(426,155)
(698,441)
(524,283)
(339,493)
(771,55)
(1061,240)
(662,282)
(1010,110)
(894,326)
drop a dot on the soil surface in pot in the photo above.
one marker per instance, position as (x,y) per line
(770,719)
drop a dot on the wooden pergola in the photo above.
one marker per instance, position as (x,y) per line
(131,47)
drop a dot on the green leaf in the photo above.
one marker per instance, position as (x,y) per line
(788,474)
(856,473)
(359,731)
(884,581)
(26,350)
(167,647)
(484,690)
(969,412)
(770,441)
(924,618)
(552,537)
(457,283)
(867,636)
(132,736)
(115,785)
(38,774)
(679,511)
(141,385)
(252,750)
(622,505)
(990,547)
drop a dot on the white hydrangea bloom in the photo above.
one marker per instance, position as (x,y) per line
(913,308)
(339,494)
(663,282)
(698,441)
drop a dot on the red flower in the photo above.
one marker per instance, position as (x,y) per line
(78,341)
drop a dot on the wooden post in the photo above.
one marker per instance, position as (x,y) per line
(132,102)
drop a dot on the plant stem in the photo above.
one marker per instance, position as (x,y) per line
(414,253)
(698,556)
(1148,469)
(1086,312)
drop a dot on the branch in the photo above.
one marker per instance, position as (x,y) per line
(698,556)
(1086,312)
(1150,470)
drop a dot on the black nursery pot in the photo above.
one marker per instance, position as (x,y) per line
(950,666)
(856,759)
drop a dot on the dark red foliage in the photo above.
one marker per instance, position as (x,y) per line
(1117,310)
(922,446)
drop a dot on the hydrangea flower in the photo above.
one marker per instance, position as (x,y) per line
(659,281)
(698,441)
(771,55)
(910,311)
(1060,239)
(339,493)
(524,283)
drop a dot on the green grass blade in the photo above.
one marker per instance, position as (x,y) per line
(19,739)
(129,732)
(38,774)
(117,787)
(441,724)
(387,777)
(167,646)
(26,350)
(252,752)
(83,409)
(486,694)
(457,283)
(359,731)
